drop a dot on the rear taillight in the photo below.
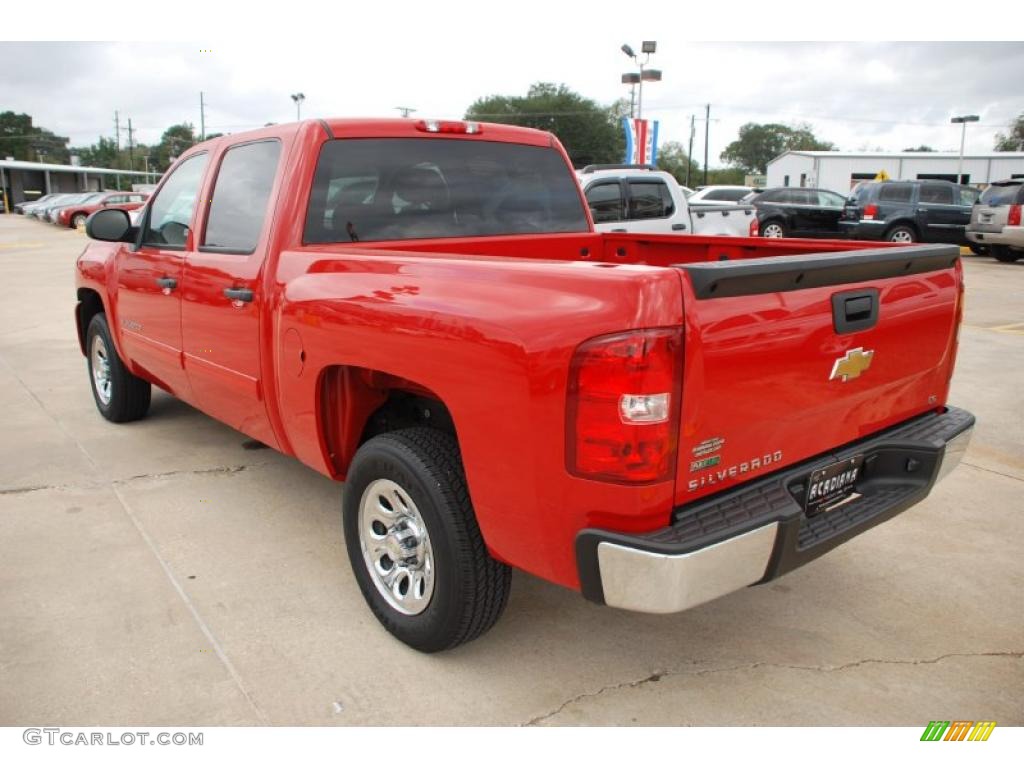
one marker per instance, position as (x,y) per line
(870,210)
(623,405)
(1013,219)
(753,230)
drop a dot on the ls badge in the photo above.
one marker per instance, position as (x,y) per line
(852,364)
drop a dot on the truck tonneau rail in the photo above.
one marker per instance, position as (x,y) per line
(746,277)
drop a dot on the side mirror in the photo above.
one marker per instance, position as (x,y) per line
(111,225)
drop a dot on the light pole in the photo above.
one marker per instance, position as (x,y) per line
(298,98)
(631,79)
(963,120)
(650,75)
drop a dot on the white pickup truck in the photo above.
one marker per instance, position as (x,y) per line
(639,198)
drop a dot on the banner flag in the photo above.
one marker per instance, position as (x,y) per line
(641,141)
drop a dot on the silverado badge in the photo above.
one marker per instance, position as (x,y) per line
(852,364)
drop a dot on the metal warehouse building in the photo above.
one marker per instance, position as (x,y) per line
(21,181)
(839,171)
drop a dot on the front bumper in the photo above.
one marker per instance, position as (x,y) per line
(759,531)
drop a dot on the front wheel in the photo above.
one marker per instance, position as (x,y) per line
(773,229)
(78,220)
(901,234)
(120,396)
(414,544)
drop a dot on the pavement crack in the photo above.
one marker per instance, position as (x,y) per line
(658,676)
(229,470)
(993,471)
(28,489)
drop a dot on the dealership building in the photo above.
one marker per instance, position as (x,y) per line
(839,171)
(21,180)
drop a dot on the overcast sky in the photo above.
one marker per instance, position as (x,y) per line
(858,95)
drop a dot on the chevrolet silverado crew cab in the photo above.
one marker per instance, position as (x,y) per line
(640,198)
(423,310)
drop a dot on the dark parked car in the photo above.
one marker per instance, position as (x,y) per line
(909,211)
(798,212)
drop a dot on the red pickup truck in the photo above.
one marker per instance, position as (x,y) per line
(423,310)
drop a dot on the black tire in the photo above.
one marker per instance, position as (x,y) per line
(1005,254)
(774,225)
(78,220)
(470,588)
(129,395)
(901,233)
(978,250)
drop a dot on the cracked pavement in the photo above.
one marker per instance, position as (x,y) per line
(164,573)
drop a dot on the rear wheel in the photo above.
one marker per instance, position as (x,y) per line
(773,229)
(1006,254)
(901,233)
(120,396)
(414,544)
(978,250)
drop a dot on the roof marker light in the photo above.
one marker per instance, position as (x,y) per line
(448,126)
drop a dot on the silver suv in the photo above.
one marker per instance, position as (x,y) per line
(996,220)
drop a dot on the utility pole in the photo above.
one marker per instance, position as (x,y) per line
(689,153)
(131,146)
(117,146)
(707,131)
(202,118)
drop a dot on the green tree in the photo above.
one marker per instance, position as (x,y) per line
(174,141)
(23,141)
(672,158)
(1014,140)
(922,148)
(760,142)
(591,133)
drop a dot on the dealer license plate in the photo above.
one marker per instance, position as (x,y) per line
(832,484)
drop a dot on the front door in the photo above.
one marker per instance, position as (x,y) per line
(150,276)
(223,298)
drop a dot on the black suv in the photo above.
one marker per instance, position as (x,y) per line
(909,211)
(798,212)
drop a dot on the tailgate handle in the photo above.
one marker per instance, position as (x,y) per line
(855,310)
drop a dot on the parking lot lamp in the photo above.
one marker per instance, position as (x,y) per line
(649,75)
(963,120)
(298,98)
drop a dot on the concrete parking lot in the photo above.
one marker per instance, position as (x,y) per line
(170,572)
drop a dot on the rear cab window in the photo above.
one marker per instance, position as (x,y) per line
(401,189)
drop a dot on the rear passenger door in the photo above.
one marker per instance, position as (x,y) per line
(649,207)
(942,217)
(223,297)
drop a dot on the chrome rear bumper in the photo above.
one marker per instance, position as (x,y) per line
(758,531)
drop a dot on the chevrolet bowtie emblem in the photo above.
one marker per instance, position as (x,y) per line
(852,364)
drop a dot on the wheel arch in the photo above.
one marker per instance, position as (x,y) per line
(90,304)
(355,404)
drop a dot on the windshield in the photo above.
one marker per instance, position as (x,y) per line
(400,189)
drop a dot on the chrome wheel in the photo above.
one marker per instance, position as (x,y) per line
(78,222)
(99,362)
(772,230)
(396,547)
(901,236)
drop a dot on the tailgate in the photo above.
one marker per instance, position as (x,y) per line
(790,357)
(733,220)
(987,218)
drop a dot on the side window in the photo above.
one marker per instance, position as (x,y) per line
(895,193)
(936,193)
(830,199)
(171,211)
(605,201)
(240,196)
(968,196)
(649,200)
(114,200)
